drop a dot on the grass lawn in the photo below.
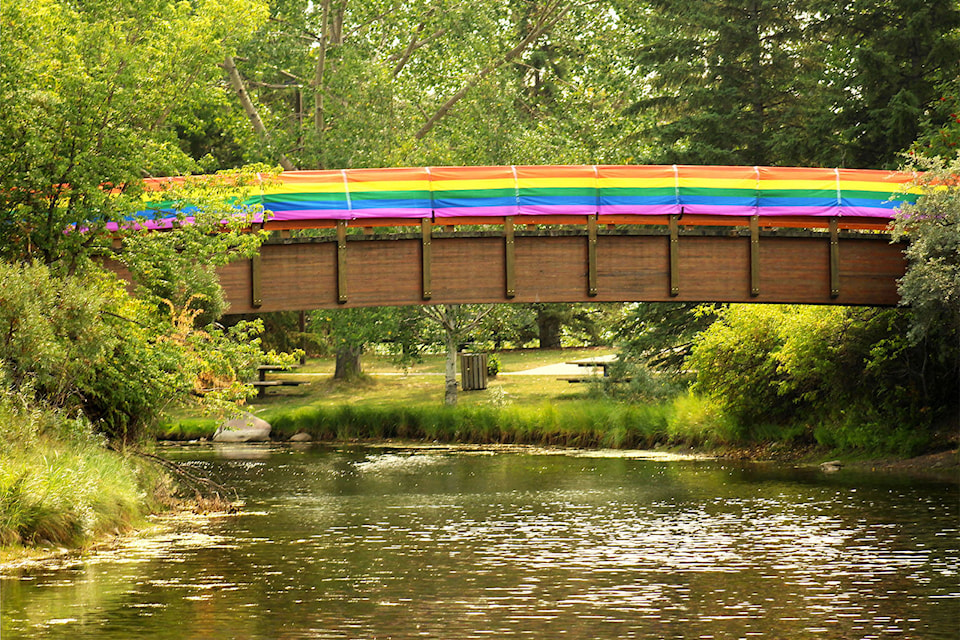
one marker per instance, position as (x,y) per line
(387,386)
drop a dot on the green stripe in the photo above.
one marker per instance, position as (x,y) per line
(474,193)
(390,195)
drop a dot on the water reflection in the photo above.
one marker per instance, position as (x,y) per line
(361,543)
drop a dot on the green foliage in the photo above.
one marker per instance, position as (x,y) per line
(776,82)
(931,285)
(846,377)
(82,343)
(901,55)
(493,365)
(660,333)
(177,268)
(88,92)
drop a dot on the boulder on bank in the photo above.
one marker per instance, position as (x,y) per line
(246,428)
(301,437)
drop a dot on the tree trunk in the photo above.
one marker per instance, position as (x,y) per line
(549,326)
(249,108)
(348,364)
(450,393)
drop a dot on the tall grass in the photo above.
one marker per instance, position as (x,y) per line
(59,484)
(685,420)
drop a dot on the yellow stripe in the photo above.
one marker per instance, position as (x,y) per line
(874,185)
(390,185)
(304,187)
(473,185)
(557,183)
(635,183)
(719,183)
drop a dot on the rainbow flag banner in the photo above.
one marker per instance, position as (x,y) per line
(447,192)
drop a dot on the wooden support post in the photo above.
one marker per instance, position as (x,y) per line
(509,256)
(834,259)
(674,256)
(426,256)
(256,283)
(341,261)
(754,255)
(592,255)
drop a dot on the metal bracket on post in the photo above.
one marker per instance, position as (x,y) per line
(509,256)
(256,284)
(592,255)
(834,259)
(754,255)
(341,261)
(426,256)
(674,256)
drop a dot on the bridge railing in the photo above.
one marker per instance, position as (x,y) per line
(572,194)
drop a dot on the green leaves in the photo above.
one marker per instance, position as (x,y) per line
(87,96)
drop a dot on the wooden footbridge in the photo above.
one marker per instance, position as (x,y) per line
(573,234)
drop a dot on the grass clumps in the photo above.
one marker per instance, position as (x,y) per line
(59,483)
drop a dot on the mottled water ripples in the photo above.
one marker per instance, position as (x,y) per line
(442,544)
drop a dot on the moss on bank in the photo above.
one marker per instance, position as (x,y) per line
(59,483)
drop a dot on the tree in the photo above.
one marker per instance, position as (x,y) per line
(89,95)
(931,285)
(94,96)
(661,334)
(455,320)
(901,53)
(734,82)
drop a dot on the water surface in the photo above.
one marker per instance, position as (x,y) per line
(407,543)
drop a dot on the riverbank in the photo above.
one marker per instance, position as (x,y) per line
(62,487)
(529,403)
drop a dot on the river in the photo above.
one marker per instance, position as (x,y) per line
(384,542)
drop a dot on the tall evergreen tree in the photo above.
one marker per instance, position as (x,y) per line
(733,82)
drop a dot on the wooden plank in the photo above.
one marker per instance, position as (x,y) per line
(510,258)
(755,256)
(341,261)
(256,286)
(426,258)
(592,256)
(674,256)
(834,259)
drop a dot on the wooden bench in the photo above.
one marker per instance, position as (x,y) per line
(262,384)
(602,362)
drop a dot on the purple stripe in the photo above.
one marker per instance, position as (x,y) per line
(557,209)
(456,212)
(406,212)
(639,210)
(313,214)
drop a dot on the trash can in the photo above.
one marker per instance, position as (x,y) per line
(473,371)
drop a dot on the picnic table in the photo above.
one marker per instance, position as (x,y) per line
(600,362)
(262,384)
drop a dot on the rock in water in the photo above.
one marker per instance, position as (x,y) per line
(301,437)
(831,467)
(246,428)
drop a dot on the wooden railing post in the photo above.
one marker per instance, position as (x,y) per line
(426,257)
(592,255)
(754,255)
(509,257)
(674,255)
(834,259)
(341,261)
